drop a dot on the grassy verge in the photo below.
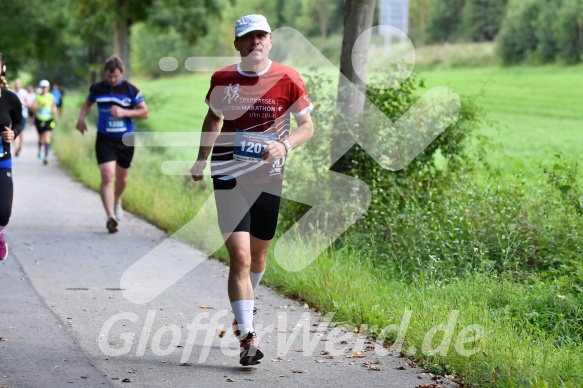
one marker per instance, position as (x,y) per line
(529,323)
(511,350)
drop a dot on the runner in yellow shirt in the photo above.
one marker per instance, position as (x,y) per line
(46,114)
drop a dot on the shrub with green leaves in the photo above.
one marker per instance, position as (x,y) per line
(542,31)
(569,31)
(433,216)
(444,20)
(397,197)
(517,39)
(481,19)
(547,46)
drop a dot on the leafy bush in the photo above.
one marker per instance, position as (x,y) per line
(397,197)
(564,176)
(433,218)
(444,21)
(569,31)
(541,31)
(148,46)
(547,47)
(517,39)
(481,19)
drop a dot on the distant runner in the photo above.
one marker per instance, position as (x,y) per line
(119,102)
(58,93)
(25,101)
(46,114)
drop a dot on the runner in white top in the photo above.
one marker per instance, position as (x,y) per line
(25,101)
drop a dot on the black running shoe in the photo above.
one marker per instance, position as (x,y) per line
(111,225)
(250,352)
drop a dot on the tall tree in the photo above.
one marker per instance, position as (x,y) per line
(481,19)
(116,16)
(418,20)
(14,42)
(358,18)
(312,18)
(31,31)
(316,16)
(189,17)
(444,20)
(517,39)
(126,16)
(569,31)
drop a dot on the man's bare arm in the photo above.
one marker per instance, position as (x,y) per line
(85,109)
(275,150)
(211,128)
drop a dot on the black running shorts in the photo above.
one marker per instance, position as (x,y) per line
(247,207)
(6,193)
(109,149)
(43,126)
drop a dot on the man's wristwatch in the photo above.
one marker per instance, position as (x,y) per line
(287,145)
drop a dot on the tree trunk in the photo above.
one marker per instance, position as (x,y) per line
(422,20)
(358,17)
(96,58)
(122,38)
(323,12)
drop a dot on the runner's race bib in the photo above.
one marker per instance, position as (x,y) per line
(115,125)
(250,145)
(45,112)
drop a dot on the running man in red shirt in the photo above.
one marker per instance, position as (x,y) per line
(247,127)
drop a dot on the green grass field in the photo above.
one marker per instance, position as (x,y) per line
(537,108)
(537,114)
(177,104)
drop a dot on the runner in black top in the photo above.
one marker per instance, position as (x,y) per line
(10,127)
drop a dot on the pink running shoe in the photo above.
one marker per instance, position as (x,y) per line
(3,247)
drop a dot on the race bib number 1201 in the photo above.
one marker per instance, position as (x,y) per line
(249,146)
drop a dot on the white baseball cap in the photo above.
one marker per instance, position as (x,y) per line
(251,23)
(44,83)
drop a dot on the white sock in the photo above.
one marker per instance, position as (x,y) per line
(255,279)
(243,310)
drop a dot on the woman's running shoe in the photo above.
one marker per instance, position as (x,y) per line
(111,224)
(3,248)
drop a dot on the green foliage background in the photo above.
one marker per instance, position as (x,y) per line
(462,225)
(67,41)
(481,231)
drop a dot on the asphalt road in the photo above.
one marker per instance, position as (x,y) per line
(64,319)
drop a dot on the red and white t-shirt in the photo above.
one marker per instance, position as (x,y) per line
(255,107)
